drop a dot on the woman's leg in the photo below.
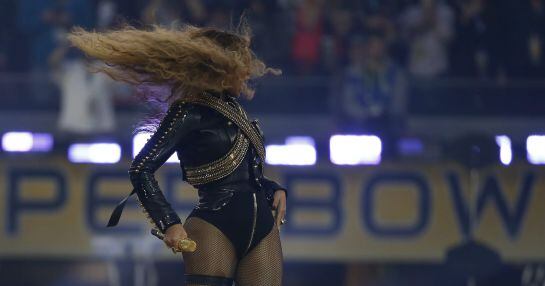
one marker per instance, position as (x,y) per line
(214,262)
(263,265)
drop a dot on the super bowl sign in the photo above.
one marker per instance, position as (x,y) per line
(387,212)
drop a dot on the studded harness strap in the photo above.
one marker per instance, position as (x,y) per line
(229,162)
(235,114)
(219,168)
(222,167)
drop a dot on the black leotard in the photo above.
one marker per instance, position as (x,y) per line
(199,135)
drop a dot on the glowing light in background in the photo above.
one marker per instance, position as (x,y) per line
(506,152)
(410,146)
(535,149)
(297,151)
(27,142)
(96,153)
(138,142)
(355,149)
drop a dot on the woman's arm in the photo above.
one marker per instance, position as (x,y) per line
(280,195)
(272,185)
(179,121)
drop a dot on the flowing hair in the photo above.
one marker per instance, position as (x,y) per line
(188,59)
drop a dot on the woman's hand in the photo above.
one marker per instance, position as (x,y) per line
(173,234)
(279,205)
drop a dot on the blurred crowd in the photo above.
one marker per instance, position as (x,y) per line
(371,48)
(430,38)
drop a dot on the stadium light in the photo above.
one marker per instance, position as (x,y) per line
(506,151)
(138,142)
(410,146)
(96,153)
(297,151)
(27,142)
(355,149)
(535,149)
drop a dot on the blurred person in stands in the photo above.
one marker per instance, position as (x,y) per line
(38,20)
(378,15)
(428,28)
(469,52)
(195,12)
(219,17)
(268,34)
(86,98)
(43,23)
(170,12)
(221,151)
(336,41)
(129,10)
(373,91)
(273,27)
(162,12)
(530,40)
(478,49)
(307,37)
(6,27)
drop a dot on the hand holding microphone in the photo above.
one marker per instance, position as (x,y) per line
(176,238)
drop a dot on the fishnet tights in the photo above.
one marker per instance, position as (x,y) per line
(263,265)
(216,256)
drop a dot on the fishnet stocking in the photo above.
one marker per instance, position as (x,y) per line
(215,255)
(263,265)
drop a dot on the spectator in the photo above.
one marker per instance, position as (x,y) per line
(340,28)
(470,55)
(107,10)
(531,41)
(38,20)
(373,89)
(262,18)
(484,45)
(168,12)
(162,12)
(378,15)
(194,12)
(130,10)
(428,28)
(86,105)
(219,17)
(45,23)
(6,31)
(306,42)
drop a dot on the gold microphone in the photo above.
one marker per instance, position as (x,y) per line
(182,245)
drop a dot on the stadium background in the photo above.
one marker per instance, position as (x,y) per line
(440,182)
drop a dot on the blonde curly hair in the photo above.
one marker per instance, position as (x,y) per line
(189,59)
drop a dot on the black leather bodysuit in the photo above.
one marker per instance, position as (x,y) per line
(237,203)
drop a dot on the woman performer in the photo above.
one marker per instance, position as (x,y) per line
(221,152)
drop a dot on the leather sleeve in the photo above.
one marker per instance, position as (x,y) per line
(178,122)
(272,186)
